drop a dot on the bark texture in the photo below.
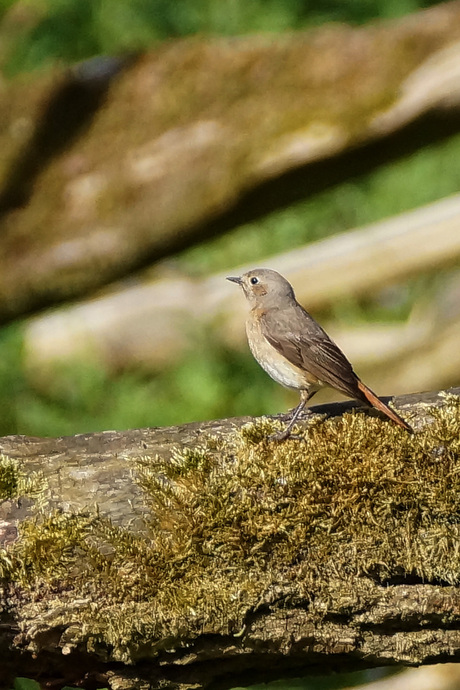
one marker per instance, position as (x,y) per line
(206,556)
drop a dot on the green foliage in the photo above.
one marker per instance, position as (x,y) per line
(209,383)
(70,30)
(26,684)
(5,6)
(12,379)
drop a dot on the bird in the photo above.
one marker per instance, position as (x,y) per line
(294,349)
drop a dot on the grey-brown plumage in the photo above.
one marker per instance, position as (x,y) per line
(293,348)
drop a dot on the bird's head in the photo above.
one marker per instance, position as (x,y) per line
(264,288)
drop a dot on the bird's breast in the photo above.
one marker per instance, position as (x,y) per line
(273,362)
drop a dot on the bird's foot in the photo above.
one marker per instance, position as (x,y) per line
(284,434)
(287,433)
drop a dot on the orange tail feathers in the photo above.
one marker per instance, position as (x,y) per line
(373,400)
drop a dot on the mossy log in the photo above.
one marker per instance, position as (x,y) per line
(207,556)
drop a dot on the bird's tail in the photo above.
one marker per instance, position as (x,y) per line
(373,400)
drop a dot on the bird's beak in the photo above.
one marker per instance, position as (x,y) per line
(235,279)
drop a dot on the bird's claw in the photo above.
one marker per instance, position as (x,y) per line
(284,435)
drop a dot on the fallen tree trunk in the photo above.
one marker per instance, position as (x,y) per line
(208,556)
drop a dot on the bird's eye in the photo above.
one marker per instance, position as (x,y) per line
(254,280)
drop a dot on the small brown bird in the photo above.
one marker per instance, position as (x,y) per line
(293,348)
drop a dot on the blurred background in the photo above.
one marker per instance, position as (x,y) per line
(150,148)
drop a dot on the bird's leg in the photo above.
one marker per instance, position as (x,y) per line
(305,396)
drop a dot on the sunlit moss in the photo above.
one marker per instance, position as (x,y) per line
(227,521)
(15,483)
(9,478)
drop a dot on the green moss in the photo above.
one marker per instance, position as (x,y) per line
(226,520)
(9,478)
(14,483)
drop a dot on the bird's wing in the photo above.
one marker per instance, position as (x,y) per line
(303,342)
